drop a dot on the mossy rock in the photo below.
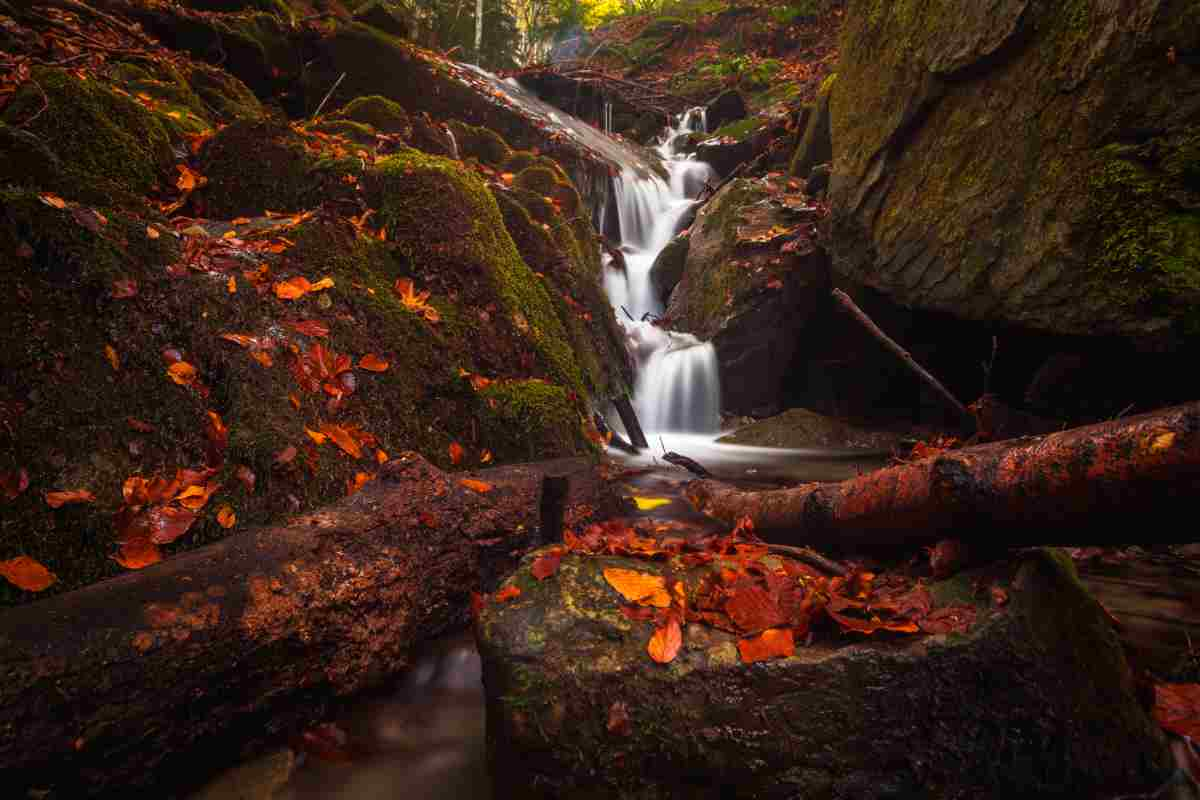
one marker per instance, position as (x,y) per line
(668,266)
(485,146)
(815,146)
(382,114)
(1058,131)
(530,420)
(110,148)
(664,26)
(354,132)
(469,241)
(228,98)
(390,17)
(258,165)
(1034,700)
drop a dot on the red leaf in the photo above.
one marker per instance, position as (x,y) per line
(59,499)
(508,593)
(13,483)
(773,643)
(309,327)
(25,573)
(546,564)
(1177,708)
(665,643)
(456,453)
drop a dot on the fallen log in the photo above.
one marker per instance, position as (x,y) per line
(1128,480)
(157,678)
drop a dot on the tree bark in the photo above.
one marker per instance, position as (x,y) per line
(159,677)
(1129,480)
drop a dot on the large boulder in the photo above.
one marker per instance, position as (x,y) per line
(668,268)
(1034,699)
(799,427)
(729,106)
(751,283)
(1023,161)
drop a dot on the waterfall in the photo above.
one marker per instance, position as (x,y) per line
(677,387)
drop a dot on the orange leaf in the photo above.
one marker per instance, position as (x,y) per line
(485,457)
(58,499)
(292,288)
(195,497)
(138,553)
(182,373)
(773,643)
(309,327)
(152,232)
(477,486)
(188,179)
(113,359)
(52,200)
(639,587)
(373,363)
(262,357)
(360,480)
(456,453)
(324,283)
(318,438)
(343,438)
(226,518)
(508,593)
(665,643)
(381,456)
(286,455)
(25,573)
(231,285)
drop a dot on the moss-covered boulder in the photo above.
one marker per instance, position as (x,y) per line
(481,144)
(257,165)
(83,139)
(392,18)
(728,106)
(752,282)
(382,114)
(815,146)
(1034,700)
(668,267)
(1032,163)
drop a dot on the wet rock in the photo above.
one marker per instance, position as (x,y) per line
(816,145)
(724,154)
(667,268)
(989,164)
(818,181)
(799,427)
(743,290)
(1034,700)
(729,106)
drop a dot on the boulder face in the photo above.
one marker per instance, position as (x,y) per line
(1023,161)
(1034,700)
(749,288)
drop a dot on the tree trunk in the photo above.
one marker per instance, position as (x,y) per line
(1129,480)
(162,676)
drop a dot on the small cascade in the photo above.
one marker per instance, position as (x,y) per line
(608,117)
(677,387)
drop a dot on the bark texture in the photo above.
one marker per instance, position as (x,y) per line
(1124,480)
(164,674)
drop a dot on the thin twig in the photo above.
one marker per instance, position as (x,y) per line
(45,102)
(626,310)
(810,557)
(328,95)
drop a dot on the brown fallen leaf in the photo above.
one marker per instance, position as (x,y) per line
(665,643)
(26,573)
(318,438)
(59,499)
(773,643)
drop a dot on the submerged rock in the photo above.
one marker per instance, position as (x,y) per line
(1030,163)
(799,427)
(1034,700)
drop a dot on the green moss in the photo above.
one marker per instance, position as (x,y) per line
(110,147)
(227,97)
(740,130)
(1148,252)
(253,166)
(483,145)
(527,420)
(355,132)
(410,188)
(384,115)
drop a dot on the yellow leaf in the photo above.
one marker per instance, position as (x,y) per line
(1162,442)
(324,283)
(650,503)
(318,438)
(643,588)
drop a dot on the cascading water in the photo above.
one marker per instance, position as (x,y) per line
(677,386)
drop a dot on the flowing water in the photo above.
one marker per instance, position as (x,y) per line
(425,739)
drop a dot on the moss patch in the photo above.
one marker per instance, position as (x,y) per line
(483,145)
(379,112)
(525,420)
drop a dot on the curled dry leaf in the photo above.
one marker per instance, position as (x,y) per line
(59,499)
(137,553)
(508,593)
(26,573)
(196,496)
(12,484)
(665,643)
(483,487)
(182,373)
(373,363)
(52,200)
(639,587)
(773,643)
(456,453)
(546,564)
(226,517)
(297,287)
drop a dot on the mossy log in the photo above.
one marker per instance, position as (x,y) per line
(1124,480)
(169,673)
